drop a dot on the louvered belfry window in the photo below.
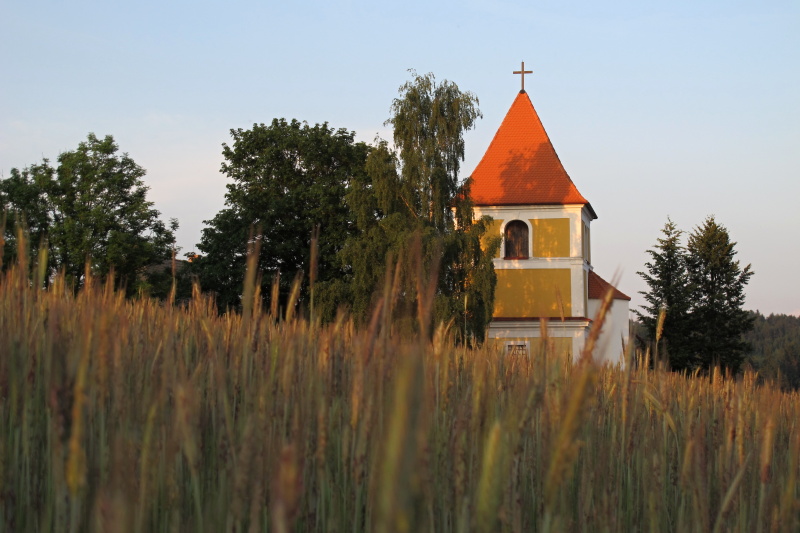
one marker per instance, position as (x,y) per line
(516,240)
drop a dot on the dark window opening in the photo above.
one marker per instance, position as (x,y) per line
(517,349)
(516,240)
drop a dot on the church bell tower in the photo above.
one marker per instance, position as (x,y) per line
(544,270)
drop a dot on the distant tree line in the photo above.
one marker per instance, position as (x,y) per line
(402,209)
(775,348)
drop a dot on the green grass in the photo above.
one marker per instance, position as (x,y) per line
(120,415)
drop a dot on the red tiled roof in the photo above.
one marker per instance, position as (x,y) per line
(521,167)
(598,287)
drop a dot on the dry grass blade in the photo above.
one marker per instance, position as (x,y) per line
(727,500)
(251,273)
(139,415)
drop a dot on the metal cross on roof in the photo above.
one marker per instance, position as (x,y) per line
(522,72)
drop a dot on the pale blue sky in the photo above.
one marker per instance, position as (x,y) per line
(683,108)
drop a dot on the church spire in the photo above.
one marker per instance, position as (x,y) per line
(521,167)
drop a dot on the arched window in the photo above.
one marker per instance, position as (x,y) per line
(516,239)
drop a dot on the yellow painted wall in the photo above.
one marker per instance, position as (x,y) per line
(555,346)
(533,293)
(492,230)
(550,237)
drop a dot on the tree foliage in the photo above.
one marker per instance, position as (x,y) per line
(775,348)
(429,120)
(25,200)
(717,283)
(379,209)
(700,290)
(414,195)
(287,179)
(92,207)
(669,295)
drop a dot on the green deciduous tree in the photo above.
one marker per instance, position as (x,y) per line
(372,204)
(717,285)
(25,200)
(287,178)
(93,207)
(414,194)
(429,121)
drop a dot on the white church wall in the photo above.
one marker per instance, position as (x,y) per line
(522,332)
(614,334)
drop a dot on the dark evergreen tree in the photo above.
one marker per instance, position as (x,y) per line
(93,207)
(287,179)
(717,285)
(669,294)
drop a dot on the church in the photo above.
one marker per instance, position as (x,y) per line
(545,277)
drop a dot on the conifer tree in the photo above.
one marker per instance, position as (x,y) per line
(668,294)
(717,293)
(700,289)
